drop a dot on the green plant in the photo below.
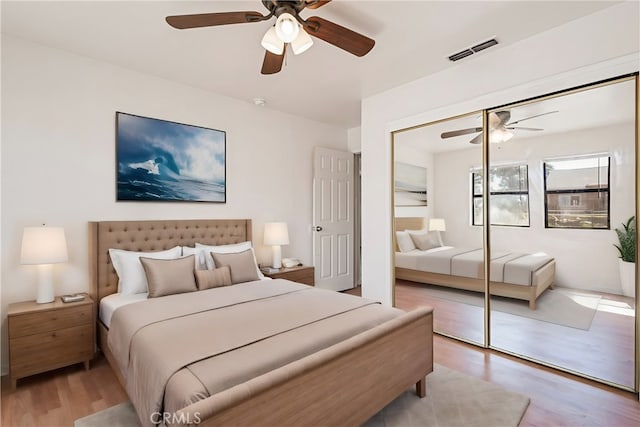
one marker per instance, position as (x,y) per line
(627,238)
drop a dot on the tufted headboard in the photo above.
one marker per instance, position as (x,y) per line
(153,236)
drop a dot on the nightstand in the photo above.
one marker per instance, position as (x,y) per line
(48,336)
(301,274)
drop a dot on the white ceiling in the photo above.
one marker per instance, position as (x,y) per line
(608,105)
(413,39)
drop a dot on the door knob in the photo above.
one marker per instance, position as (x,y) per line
(317,228)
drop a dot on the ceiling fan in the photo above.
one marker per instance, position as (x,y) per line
(289,28)
(499,127)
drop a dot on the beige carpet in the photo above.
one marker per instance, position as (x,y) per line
(562,306)
(453,399)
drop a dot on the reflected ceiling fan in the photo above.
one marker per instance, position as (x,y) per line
(499,127)
(289,28)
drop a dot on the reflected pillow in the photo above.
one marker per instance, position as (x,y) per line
(424,240)
(241,264)
(131,277)
(405,243)
(169,276)
(206,279)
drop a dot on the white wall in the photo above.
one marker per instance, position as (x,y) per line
(354,139)
(58,158)
(586,259)
(592,48)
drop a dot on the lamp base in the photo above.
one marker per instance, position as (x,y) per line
(277,257)
(45,284)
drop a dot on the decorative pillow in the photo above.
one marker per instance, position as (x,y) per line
(241,264)
(206,279)
(228,249)
(405,243)
(424,240)
(200,256)
(169,276)
(131,277)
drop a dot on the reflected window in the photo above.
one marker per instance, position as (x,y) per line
(509,187)
(577,192)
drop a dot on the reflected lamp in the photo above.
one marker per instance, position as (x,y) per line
(437,224)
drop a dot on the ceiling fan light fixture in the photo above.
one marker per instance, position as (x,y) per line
(287,27)
(272,42)
(302,43)
(500,135)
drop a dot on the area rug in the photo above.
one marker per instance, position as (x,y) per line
(453,399)
(562,306)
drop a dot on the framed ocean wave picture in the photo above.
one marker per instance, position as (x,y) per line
(159,160)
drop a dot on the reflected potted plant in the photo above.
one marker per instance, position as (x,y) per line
(627,249)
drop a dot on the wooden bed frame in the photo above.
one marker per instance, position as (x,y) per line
(541,279)
(344,384)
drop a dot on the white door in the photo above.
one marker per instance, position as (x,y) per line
(333,218)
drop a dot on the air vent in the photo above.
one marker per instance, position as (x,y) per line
(458,56)
(470,51)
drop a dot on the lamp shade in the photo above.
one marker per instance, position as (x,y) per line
(301,43)
(276,233)
(437,224)
(43,245)
(272,43)
(287,27)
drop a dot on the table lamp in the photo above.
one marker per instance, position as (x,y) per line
(276,234)
(437,224)
(44,246)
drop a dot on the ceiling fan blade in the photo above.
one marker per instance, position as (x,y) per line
(476,140)
(182,22)
(339,36)
(521,128)
(531,117)
(314,4)
(459,132)
(498,118)
(272,63)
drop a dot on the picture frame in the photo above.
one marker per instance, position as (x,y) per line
(410,185)
(161,160)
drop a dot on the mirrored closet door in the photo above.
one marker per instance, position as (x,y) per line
(439,255)
(561,181)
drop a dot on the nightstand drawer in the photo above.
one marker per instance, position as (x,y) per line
(302,276)
(41,352)
(44,321)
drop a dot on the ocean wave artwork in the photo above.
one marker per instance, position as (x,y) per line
(159,160)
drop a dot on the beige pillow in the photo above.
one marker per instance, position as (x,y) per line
(405,242)
(241,264)
(424,240)
(206,279)
(169,276)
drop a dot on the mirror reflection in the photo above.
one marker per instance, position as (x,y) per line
(439,252)
(560,185)
(562,229)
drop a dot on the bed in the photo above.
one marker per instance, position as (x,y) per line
(521,276)
(344,381)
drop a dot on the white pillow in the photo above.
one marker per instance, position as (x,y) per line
(131,277)
(228,249)
(405,243)
(200,256)
(423,239)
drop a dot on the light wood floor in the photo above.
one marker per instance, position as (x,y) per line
(604,351)
(59,397)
